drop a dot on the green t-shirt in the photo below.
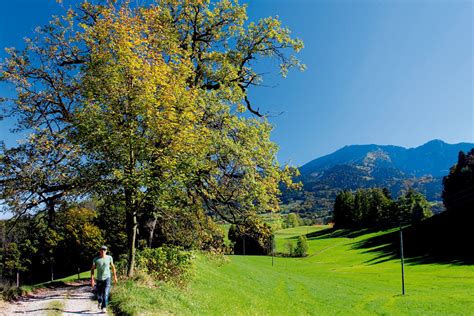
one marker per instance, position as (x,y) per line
(103,267)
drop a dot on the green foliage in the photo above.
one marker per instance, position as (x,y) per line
(374,207)
(10,292)
(80,238)
(343,206)
(80,231)
(11,262)
(40,251)
(165,263)
(302,247)
(458,192)
(293,220)
(290,248)
(194,230)
(413,207)
(111,219)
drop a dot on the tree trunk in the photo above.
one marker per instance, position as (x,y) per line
(130,200)
(131,231)
(51,214)
(152,232)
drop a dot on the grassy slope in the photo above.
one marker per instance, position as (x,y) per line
(336,278)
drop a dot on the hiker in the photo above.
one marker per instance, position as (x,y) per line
(102,263)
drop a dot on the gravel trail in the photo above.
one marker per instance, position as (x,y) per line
(73,299)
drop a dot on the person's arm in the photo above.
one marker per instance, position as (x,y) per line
(113,271)
(92,275)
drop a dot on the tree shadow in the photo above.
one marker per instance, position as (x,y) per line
(445,238)
(341,233)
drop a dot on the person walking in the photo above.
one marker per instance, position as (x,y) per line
(103,263)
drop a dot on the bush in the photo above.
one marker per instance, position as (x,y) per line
(301,249)
(290,248)
(166,263)
(10,292)
(121,265)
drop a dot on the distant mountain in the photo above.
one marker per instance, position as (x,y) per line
(364,166)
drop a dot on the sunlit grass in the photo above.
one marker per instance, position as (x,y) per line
(55,308)
(336,278)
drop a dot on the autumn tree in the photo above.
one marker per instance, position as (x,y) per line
(147,102)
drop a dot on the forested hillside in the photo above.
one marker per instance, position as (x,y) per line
(374,166)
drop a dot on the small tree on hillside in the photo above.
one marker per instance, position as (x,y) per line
(301,249)
(412,206)
(293,220)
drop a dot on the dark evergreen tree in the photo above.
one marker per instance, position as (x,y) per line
(343,208)
(458,193)
(373,208)
(412,207)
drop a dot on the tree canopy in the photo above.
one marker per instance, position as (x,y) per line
(143,104)
(375,207)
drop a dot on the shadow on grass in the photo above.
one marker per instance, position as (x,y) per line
(445,238)
(341,233)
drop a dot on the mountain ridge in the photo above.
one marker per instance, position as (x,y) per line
(352,153)
(393,167)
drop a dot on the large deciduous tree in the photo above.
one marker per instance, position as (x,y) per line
(147,101)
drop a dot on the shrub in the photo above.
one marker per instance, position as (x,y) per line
(121,264)
(301,247)
(10,292)
(293,220)
(166,263)
(290,247)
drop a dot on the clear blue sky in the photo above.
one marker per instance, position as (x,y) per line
(379,71)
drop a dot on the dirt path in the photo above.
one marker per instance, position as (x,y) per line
(72,299)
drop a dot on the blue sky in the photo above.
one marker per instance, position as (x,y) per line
(384,72)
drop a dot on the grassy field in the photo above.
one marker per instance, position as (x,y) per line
(338,277)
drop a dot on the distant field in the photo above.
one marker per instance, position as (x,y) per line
(337,277)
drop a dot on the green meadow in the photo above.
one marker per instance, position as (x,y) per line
(337,277)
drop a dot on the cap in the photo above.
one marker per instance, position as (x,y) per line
(103,248)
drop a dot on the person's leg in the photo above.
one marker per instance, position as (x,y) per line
(106,293)
(100,292)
